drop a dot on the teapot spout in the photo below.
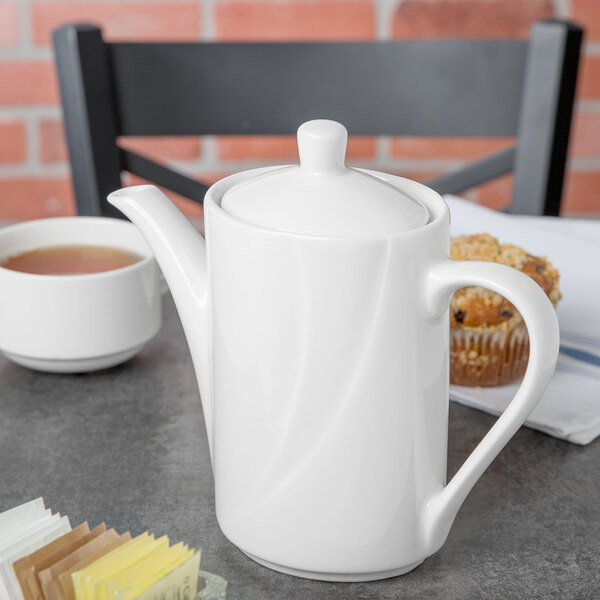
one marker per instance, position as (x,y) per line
(181,253)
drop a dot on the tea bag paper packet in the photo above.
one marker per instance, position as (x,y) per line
(25,513)
(48,532)
(51,529)
(130,585)
(18,523)
(85,581)
(56,580)
(132,577)
(125,578)
(181,582)
(20,529)
(108,581)
(59,556)
(49,578)
(24,568)
(46,557)
(15,518)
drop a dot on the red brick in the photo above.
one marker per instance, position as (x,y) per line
(12,142)
(419,176)
(415,19)
(187,206)
(9,23)
(447,147)
(282,147)
(53,147)
(496,193)
(587,13)
(28,82)
(295,20)
(175,20)
(35,198)
(208,178)
(588,79)
(585,135)
(178,148)
(581,193)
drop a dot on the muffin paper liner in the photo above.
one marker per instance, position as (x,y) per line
(484,358)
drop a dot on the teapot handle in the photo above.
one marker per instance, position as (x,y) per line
(539,315)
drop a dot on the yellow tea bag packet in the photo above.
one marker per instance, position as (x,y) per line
(25,568)
(85,581)
(130,584)
(66,579)
(48,578)
(106,589)
(181,557)
(181,582)
(104,585)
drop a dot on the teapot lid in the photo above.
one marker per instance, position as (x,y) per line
(322,196)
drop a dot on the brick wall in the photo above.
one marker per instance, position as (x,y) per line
(34,173)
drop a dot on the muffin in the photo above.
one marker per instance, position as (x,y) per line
(489,344)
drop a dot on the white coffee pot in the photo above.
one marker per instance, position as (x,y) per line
(316,313)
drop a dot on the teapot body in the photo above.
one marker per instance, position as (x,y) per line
(330,391)
(316,313)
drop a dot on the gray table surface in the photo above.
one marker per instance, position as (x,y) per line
(127,446)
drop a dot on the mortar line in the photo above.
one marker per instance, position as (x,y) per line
(207,14)
(28,170)
(562,8)
(21,110)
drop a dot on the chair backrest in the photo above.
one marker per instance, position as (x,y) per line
(444,88)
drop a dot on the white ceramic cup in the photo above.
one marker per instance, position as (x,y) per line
(77,323)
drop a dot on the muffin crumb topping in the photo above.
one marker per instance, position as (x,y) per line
(479,308)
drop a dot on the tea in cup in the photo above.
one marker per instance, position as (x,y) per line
(78,293)
(70,260)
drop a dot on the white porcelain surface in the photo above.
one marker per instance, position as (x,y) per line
(321,196)
(323,369)
(77,323)
(81,365)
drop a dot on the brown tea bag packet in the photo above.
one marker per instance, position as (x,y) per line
(65,579)
(24,567)
(34,583)
(50,578)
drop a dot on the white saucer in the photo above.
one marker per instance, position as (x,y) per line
(82,365)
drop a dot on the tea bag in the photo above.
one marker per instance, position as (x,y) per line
(131,584)
(24,568)
(138,572)
(24,513)
(21,528)
(55,580)
(65,552)
(107,582)
(45,531)
(181,582)
(85,581)
(121,579)
(12,520)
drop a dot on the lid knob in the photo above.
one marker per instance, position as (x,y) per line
(322,196)
(322,146)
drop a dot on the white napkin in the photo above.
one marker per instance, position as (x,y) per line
(570,408)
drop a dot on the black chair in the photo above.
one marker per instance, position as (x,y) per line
(422,88)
